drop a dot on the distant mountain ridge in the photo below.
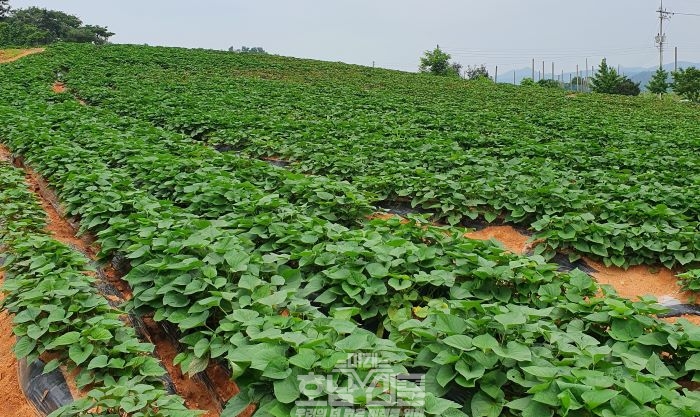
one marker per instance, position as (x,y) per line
(637,74)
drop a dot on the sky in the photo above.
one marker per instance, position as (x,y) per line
(395,33)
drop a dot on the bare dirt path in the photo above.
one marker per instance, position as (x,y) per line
(13,55)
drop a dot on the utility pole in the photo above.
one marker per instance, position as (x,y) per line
(586,70)
(675,65)
(496,79)
(544,75)
(533,69)
(552,70)
(661,36)
(513,77)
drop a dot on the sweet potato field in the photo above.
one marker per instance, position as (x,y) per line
(277,274)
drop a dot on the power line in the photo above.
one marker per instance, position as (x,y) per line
(686,14)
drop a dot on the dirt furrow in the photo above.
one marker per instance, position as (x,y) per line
(193,391)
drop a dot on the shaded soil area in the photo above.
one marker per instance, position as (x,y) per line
(196,395)
(13,54)
(59,228)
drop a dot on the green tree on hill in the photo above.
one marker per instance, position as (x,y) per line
(437,62)
(35,26)
(477,72)
(548,83)
(607,80)
(627,87)
(659,82)
(686,83)
(247,50)
(4,8)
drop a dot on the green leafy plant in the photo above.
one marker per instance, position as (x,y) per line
(278,275)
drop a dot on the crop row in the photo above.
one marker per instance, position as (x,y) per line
(605,177)
(57,310)
(278,295)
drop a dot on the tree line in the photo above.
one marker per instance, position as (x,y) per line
(686,82)
(35,26)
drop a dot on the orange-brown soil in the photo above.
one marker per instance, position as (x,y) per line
(511,239)
(641,280)
(693,319)
(631,283)
(195,394)
(57,225)
(59,87)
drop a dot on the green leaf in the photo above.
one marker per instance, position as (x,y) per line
(641,392)
(305,359)
(197,365)
(151,367)
(514,350)
(24,347)
(354,342)
(693,363)
(66,339)
(470,371)
(626,330)
(484,406)
(237,404)
(99,334)
(438,406)
(450,324)
(176,299)
(459,341)
(511,319)
(543,372)
(274,299)
(287,390)
(237,260)
(535,409)
(51,366)
(80,355)
(377,270)
(684,258)
(596,398)
(98,362)
(657,367)
(485,342)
